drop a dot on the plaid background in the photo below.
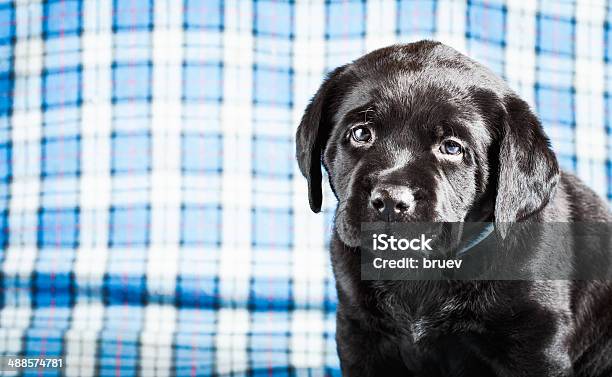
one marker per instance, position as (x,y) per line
(152,217)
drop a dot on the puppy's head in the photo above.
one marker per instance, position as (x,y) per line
(421,133)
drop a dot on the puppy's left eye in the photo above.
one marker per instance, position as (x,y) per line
(361,134)
(451,147)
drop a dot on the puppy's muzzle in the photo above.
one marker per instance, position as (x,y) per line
(391,202)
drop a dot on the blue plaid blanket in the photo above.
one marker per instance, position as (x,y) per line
(152,218)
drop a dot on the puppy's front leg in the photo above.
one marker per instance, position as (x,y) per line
(364,352)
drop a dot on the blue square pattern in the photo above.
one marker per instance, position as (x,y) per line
(608,116)
(555,105)
(131,153)
(7,23)
(5,161)
(416,16)
(556,35)
(6,98)
(567,162)
(62,17)
(272,86)
(202,153)
(197,321)
(201,225)
(4,230)
(273,157)
(272,228)
(119,350)
(132,82)
(203,82)
(273,18)
(6,63)
(4,197)
(132,15)
(118,366)
(62,87)
(608,36)
(555,70)
(44,340)
(58,228)
(198,291)
(61,157)
(53,289)
(269,351)
(126,288)
(490,54)
(346,19)
(203,14)
(271,293)
(129,226)
(196,356)
(41,342)
(63,54)
(487,22)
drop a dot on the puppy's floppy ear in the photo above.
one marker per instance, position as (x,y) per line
(312,135)
(528,168)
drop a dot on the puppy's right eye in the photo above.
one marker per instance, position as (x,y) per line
(361,134)
(451,147)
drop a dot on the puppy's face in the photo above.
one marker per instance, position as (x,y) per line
(419,133)
(405,150)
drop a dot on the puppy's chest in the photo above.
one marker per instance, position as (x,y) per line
(412,320)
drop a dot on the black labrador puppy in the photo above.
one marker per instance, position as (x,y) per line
(421,133)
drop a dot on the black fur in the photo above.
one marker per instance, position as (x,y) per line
(413,97)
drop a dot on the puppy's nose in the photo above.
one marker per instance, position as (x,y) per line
(391,201)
